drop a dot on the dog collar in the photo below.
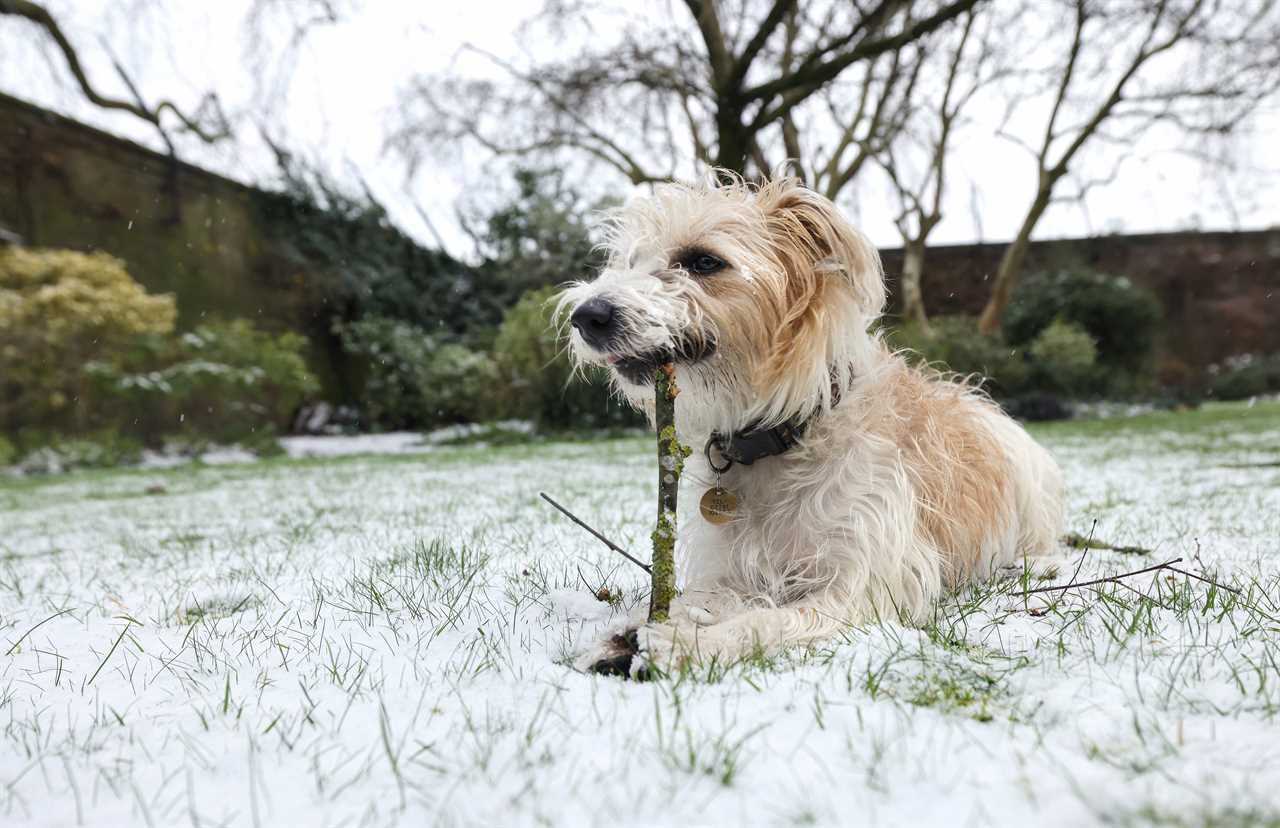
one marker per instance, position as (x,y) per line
(751,444)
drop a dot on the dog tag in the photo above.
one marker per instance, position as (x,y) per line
(718,505)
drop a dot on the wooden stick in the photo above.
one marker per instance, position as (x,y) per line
(671,457)
(571,516)
(1205,580)
(1110,579)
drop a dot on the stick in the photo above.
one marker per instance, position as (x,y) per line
(671,456)
(1205,580)
(571,516)
(1110,579)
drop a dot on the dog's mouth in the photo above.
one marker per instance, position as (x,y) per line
(639,369)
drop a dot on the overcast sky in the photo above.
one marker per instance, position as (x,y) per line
(339,95)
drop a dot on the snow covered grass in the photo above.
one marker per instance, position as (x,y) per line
(382,639)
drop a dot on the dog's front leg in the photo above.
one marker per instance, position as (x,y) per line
(676,644)
(613,653)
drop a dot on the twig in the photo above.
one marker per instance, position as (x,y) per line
(1110,579)
(571,516)
(1204,579)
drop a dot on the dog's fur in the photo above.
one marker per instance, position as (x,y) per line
(904,484)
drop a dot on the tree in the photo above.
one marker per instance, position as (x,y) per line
(207,122)
(721,83)
(964,65)
(538,237)
(1201,66)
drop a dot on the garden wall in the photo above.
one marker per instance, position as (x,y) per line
(179,229)
(200,236)
(1220,291)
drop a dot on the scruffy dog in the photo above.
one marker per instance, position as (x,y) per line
(850,485)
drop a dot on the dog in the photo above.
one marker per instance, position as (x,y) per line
(849,485)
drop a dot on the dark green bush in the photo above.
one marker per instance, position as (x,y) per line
(224,381)
(538,379)
(1246,376)
(414,381)
(41,452)
(953,343)
(1122,318)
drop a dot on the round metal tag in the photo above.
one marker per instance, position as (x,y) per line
(718,505)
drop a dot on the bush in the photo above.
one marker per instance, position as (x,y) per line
(1246,376)
(1122,318)
(224,381)
(954,343)
(58,310)
(412,381)
(44,453)
(538,378)
(1062,359)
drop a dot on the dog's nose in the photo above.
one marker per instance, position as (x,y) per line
(597,321)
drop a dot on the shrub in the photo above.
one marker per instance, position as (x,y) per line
(223,381)
(44,453)
(954,343)
(58,310)
(1246,376)
(1122,318)
(412,381)
(538,378)
(1062,358)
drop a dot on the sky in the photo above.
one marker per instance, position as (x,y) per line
(335,96)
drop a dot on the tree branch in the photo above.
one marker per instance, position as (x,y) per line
(41,16)
(810,79)
(767,27)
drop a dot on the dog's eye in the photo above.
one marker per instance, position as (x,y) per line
(702,263)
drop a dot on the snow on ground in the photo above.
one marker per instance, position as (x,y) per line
(383,639)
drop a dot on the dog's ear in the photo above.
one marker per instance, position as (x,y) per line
(816,243)
(833,278)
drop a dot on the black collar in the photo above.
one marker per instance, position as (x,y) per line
(751,444)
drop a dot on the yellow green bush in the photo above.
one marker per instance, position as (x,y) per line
(60,309)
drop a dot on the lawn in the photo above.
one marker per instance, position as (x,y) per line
(380,639)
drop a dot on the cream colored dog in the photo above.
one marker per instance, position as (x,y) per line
(851,485)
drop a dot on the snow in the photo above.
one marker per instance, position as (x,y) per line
(382,638)
(392,442)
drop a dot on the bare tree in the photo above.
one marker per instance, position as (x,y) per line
(207,122)
(714,82)
(964,66)
(1201,66)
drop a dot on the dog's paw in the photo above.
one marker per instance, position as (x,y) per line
(611,656)
(667,648)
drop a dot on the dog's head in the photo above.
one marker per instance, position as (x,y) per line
(761,295)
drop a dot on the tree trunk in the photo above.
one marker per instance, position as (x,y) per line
(1010,269)
(733,143)
(912,299)
(671,457)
